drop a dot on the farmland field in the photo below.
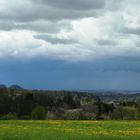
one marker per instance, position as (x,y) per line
(69,130)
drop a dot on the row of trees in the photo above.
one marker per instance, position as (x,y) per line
(17,103)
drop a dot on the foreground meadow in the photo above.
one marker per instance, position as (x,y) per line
(69,130)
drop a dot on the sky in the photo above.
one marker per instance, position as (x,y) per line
(70,44)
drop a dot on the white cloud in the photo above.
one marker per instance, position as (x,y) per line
(115,32)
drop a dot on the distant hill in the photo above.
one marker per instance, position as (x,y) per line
(3,86)
(16,87)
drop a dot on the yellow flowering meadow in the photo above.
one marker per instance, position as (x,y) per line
(69,130)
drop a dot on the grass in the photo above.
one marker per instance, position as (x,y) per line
(69,130)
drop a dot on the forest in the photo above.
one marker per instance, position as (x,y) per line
(17,103)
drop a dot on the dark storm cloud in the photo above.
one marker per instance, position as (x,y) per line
(50,74)
(55,40)
(126,64)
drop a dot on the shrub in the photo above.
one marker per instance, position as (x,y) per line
(39,113)
(25,117)
(73,114)
(51,116)
(8,116)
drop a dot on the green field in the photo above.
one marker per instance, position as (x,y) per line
(69,130)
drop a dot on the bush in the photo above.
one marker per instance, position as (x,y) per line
(25,117)
(89,116)
(8,116)
(39,113)
(51,116)
(73,114)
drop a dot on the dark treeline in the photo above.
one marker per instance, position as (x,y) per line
(18,103)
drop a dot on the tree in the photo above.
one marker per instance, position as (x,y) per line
(125,113)
(39,113)
(3,89)
(138,103)
(129,113)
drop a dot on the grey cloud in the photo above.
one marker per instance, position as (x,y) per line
(135,31)
(114,5)
(74,4)
(51,10)
(55,40)
(106,42)
(6,25)
(39,26)
(46,15)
